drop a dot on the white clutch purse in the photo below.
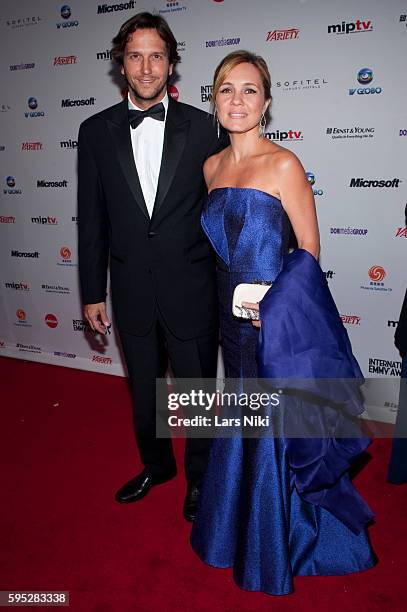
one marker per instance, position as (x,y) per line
(248,292)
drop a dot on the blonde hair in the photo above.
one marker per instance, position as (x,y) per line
(234,59)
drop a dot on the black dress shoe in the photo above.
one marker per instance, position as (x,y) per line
(138,487)
(191,502)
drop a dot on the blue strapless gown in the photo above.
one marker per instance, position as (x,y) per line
(250,516)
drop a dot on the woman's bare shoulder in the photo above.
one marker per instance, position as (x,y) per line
(211,165)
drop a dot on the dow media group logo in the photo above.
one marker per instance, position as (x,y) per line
(317,191)
(364,77)
(66,13)
(32,104)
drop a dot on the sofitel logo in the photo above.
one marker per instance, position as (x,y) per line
(300,84)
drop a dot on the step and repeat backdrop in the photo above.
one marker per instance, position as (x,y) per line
(339,102)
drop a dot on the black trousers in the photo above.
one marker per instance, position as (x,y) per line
(147,358)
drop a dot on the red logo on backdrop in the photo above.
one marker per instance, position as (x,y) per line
(218,0)
(377,273)
(290,34)
(51,320)
(65,252)
(102,360)
(351,319)
(401,232)
(20,314)
(174,93)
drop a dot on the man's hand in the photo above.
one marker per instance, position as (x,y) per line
(254,306)
(96,316)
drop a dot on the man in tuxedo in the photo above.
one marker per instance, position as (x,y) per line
(140,195)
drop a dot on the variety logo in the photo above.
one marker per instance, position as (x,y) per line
(206,93)
(290,135)
(173,92)
(51,320)
(9,219)
(55,289)
(44,220)
(365,76)
(68,103)
(384,366)
(11,187)
(56,184)
(172,6)
(22,22)
(377,274)
(103,9)
(28,348)
(62,354)
(223,42)
(351,319)
(66,14)
(275,35)
(401,232)
(352,27)
(68,144)
(30,254)
(349,231)
(102,360)
(22,66)
(32,104)
(18,286)
(65,60)
(352,132)
(311,179)
(104,55)
(300,84)
(31,146)
(361,182)
(66,255)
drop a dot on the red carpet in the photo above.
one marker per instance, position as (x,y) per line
(68,445)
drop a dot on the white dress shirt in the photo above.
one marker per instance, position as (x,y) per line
(147,141)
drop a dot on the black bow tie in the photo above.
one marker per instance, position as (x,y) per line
(155,112)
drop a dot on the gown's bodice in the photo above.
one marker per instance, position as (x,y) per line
(249,231)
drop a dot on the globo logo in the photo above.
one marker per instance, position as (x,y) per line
(11,182)
(65,11)
(365,76)
(32,103)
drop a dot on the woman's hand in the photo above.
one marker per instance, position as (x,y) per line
(253,306)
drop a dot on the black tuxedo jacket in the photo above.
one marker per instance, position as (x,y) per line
(166,260)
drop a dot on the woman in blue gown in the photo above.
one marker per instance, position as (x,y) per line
(251,517)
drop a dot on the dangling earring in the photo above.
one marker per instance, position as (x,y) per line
(262,126)
(215,116)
